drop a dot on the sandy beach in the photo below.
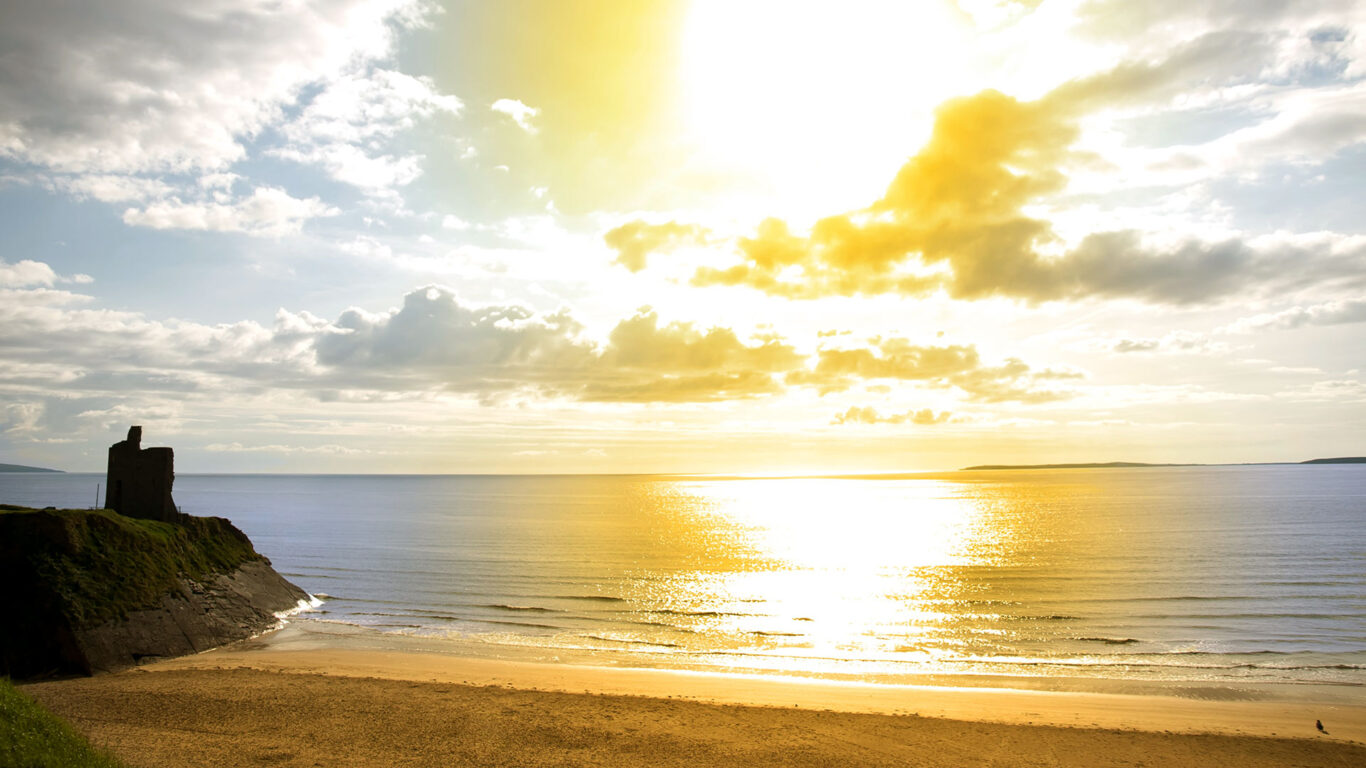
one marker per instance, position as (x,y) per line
(260,705)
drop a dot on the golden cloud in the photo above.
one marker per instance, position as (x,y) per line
(954,366)
(868,415)
(635,240)
(954,216)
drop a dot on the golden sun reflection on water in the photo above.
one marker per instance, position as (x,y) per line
(824,568)
(845,525)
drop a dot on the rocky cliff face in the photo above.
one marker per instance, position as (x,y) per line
(87,591)
(194,616)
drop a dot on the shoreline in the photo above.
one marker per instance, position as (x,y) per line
(304,633)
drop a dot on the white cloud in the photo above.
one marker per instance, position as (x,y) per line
(110,188)
(342,127)
(26,273)
(20,418)
(367,247)
(349,164)
(165,86)
(1345,390)
(1307,126)
(520,113)
(29,274)
(330,449)
(361,107)
(1176,342)
(1327,313)
(268,211)
(224,181)
(869,415)
(120,106)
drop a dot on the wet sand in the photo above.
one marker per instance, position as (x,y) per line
(264,706)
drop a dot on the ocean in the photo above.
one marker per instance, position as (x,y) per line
(1196,575)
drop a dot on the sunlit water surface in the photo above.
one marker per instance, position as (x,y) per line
(1223,574)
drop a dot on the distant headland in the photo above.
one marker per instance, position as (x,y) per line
(22,468)
(1128,464)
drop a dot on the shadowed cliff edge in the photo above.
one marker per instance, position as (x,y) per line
(89,591)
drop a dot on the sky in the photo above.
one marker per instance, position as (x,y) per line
(711,236)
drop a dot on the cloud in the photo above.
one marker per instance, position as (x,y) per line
(1330,390)
(27,273)
(869,415)
(267,212)
(1327,313)
(520,113)
(634,241)
(122,107)
(1176,342)
(109,188)
(329,449)
(433,338)
(362,107)
(1137,345)
(678,362)
(1013,381)
(342,125)
(956,204)
(433,343)
(953,366)
(163,86)
(374,174)
(960,215)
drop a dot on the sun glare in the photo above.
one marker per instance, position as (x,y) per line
(838,565)
(820,101)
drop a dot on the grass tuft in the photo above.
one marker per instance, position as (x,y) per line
(32,737)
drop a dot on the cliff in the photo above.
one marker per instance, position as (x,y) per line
(92,590)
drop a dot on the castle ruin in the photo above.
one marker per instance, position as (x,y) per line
(139,480)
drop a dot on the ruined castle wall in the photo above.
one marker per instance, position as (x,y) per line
(139,479)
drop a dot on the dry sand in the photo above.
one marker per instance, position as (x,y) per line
(264,706)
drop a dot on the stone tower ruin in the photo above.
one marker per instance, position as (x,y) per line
(139,480)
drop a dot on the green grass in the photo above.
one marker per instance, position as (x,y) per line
(32,737)
(94,565)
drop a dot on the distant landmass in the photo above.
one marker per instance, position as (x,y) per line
(1125,464)
(1338,460)
(1082,465)
(22,468)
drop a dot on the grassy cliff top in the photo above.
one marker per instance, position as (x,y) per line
(90,566)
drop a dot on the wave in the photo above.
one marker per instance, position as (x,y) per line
(1120,661)
(1334,616)
(1109,640)
(703,614)
(632,642)
(526,608)
(661,624)
(514,623)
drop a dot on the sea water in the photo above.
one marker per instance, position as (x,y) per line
(1248,574)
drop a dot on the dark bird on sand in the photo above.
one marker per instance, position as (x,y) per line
(1319,725)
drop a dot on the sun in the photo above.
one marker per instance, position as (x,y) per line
(819,102)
